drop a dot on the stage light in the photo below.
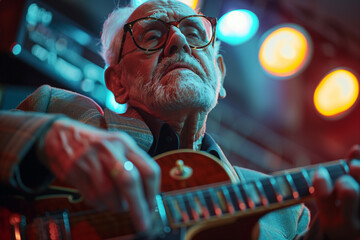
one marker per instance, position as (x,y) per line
(336,93)
(237,27)
(192,3)
(285,50)
(137,3)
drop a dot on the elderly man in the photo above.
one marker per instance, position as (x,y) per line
(163,62)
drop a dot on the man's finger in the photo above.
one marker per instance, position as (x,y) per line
(355,169)
(347,191)
(130,186)
(354,152)
(150,174)
(322,183)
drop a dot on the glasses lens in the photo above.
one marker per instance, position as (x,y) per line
(149,33)
(198,30)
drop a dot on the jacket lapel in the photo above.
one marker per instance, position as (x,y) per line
(132,124)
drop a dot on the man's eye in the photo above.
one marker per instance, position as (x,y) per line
(192,35)
(195,36)
(151,36)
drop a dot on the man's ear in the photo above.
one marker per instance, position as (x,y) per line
(115,85)
(221,66)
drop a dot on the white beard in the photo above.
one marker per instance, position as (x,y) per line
(188,91)
(177,90)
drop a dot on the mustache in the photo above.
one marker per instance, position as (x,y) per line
(191,63)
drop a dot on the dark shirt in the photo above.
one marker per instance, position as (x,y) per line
(166,139)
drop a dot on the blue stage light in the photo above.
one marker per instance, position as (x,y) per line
(237,27)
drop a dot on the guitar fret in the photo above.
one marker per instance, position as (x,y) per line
(308,181)
(261,193)
(246,193)
(180,204)
(221,200)
(292,186)
(175,214)
(195,210)
(300,183)
(275,187)
(193,214)
(208,202)
(200,202)
(226,196)
(284,188)
(236,197)
(306,177)
(269,190)
(214,202)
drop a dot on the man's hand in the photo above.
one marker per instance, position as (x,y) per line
(108,168)
(338,205)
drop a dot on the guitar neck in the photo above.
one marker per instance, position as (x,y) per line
(243,199)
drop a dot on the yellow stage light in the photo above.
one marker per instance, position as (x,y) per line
(285,51)
(336,93)
(192,3)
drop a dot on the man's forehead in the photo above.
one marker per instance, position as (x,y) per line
(167,10)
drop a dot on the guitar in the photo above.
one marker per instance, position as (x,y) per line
(200,198)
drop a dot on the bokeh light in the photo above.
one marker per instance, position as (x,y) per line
(192,3)
(336,93)
(285,51)
(237,27)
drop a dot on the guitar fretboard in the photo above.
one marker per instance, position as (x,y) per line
(234,200)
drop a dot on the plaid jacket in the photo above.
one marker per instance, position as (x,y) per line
(20,129)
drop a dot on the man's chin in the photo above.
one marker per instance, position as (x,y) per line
(187,98)
(179,75)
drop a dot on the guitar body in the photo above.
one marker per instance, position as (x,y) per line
(88,224)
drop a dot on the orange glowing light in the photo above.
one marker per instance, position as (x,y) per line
(285,51)
(336,93)
(192,3)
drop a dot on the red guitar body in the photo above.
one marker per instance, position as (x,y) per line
(85,223)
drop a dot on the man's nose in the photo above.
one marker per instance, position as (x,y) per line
(176,42)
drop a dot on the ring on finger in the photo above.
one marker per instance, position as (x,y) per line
(119,167)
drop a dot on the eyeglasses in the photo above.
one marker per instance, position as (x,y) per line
(150,34)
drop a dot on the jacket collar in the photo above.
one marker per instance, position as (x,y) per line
(131,123)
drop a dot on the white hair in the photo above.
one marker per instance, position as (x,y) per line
(112,33)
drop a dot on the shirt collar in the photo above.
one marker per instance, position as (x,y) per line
(165,138)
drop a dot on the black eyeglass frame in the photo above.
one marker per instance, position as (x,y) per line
(128,28)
